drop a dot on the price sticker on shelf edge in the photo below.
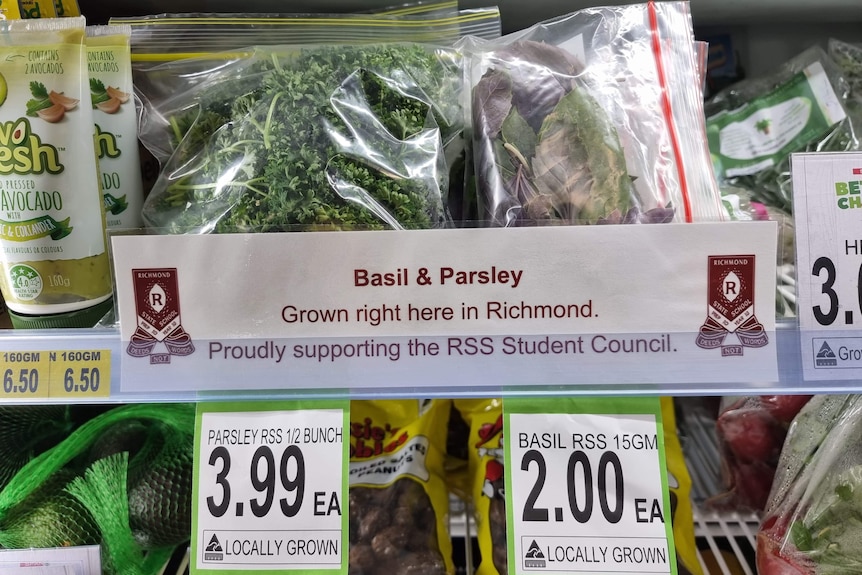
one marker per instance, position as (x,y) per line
(25,374)
(80,373)
(586,491)
(827,196)
(270,487)
(76,373)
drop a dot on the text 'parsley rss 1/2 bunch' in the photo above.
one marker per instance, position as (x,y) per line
(326,138)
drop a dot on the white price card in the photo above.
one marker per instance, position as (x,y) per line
(827,200)
(270,487)
(77,560)
(586,491)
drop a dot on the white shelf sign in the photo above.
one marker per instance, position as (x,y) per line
(827,199)
(270,486)
(670,303)
(586,492)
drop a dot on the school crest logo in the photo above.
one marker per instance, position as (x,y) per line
(157,306)
(730,306)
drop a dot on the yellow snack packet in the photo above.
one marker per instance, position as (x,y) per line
(66,8)
(37,9)
(9,10)
(679,482)
(399,504)
(485,418)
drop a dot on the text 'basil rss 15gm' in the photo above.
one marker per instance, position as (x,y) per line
(320,138)
(585,120)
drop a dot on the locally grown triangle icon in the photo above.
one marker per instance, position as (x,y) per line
(214,550)
(214,544)
(825,357)
(534,558)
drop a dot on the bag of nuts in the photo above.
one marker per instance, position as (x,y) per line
(485,418)
(399,502)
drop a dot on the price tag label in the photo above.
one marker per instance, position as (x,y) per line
(587,492)
(78,374)
(65,374)
(270,488)
(25,374)
(827,196)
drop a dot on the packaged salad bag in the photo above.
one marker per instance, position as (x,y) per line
(812,525)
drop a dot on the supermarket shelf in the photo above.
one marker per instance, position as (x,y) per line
(789,368)
(730,540)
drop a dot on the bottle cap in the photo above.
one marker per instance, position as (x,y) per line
(87,317)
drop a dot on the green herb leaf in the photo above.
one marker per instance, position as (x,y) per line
(96,86)
(518,133)
(98,98)
(801,536)
(34,106)
(38,90)
(330,138)
(579,161)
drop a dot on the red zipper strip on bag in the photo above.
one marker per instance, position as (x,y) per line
(667,109)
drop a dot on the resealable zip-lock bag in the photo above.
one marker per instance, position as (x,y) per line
(173,53)
(327,137)
(754,126)
(593,117)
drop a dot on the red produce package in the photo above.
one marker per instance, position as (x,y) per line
(751,432)
(813,520)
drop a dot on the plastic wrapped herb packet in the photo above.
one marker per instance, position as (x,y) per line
(594,117)
(754,126)
(811,524)
(317,138)
(849,57)
(186,41)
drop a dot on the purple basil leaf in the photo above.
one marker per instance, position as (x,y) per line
(492,100)
(541,75)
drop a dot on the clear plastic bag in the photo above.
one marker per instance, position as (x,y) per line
(594,117)
(849,57)
(812,522)
(174,53)
(754,126)
(318,138)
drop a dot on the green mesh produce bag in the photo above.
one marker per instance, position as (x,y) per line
(122,480)
(27,430)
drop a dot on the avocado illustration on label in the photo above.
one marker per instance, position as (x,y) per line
(4,89)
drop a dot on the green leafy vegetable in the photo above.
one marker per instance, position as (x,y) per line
(97,86)
(39,90)
(40,99)
(331,138)
(548,152)
(98,92)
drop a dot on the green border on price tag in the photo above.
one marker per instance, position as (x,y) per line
(299,405)
(594,406)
